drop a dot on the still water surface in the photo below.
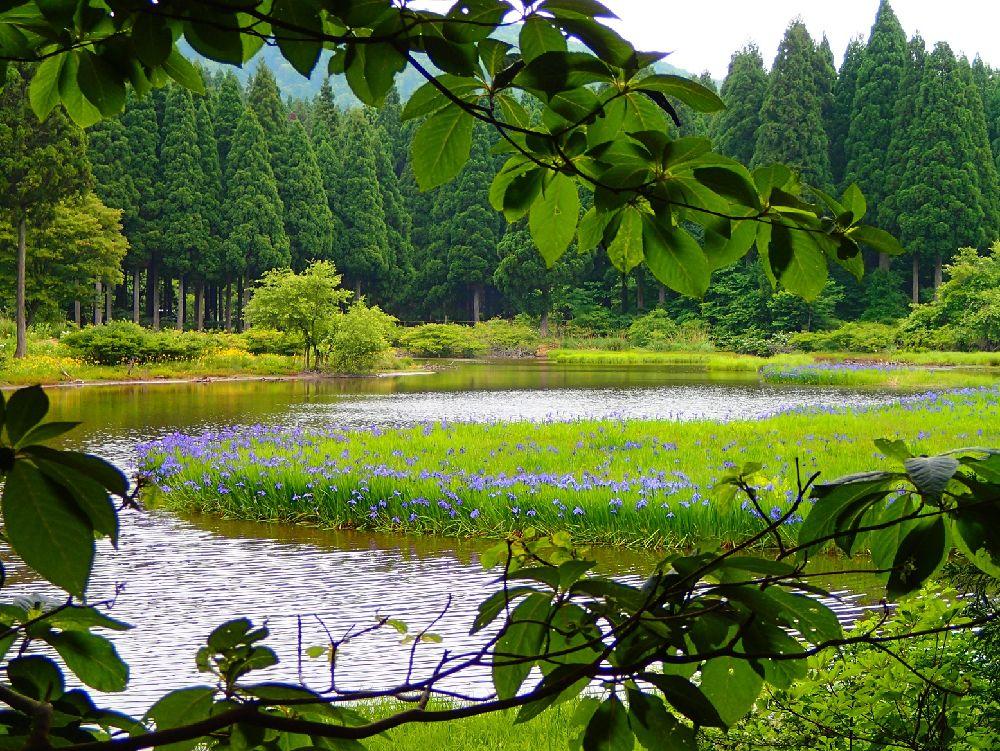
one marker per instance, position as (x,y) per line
(177,578)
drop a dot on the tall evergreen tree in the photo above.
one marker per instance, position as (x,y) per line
(902,145)
(941,207)
(227,104)
(839,123)
(308,219)
(208,265)
(350,175)
(743,92)
(325,116)
(791,129)
(143,229)
(696,123)
(826,79)
(252,211)
(41,163)
(474,230)
(882,68)
(184,228)
(974,121)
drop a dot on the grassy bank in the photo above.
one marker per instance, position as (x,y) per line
(609,482)
(53,369)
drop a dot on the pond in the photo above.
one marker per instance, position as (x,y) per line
(177,578)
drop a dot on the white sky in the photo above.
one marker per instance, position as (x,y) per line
(702,34)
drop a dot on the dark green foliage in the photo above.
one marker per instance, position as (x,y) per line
(143,134)
(308,220)
(941,204)
(122,343)
(325,115)
(350,174)
(208,264)
(791,129)
(879,77)
(974,120)
(228,106)
(109,151)
(252,211)
(839,123)
(184,225)
(735,130)
(884,301)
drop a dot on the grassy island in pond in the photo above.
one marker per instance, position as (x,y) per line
(609,482)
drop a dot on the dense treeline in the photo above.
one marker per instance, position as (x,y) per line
(215,190)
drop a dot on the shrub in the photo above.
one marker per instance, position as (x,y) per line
(654,330)
(362,338)
(753,342)
(508,338)
(122,342)
(260,341)
(442,340)
(851,337)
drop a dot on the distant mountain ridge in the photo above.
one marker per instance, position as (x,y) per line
(294,85)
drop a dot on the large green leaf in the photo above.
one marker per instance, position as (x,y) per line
(25,409)
(181,707)
(108,475)
(539,36)
(183,72)
(90,496)
(877,239)
(834,500)
(978,537)
(625,250)
(43,94)
(297,48)
(428,99)
(46,530)
(674,257)
(101,83)
(522,639)
(922,552)
(797,261)
(654,727)
(371,69)
(441,147)
(77,106)
(732,686)
(931,474)
(608,729)
(687,699)
(693,94)
(553,217)
(92,658)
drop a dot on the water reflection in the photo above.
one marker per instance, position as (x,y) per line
(178,578)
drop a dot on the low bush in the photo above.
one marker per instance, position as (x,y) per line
(753,342)
(442,340)
(504,338)
(260,341)
(654,330)
(122,342)
(361,340)
(851,337)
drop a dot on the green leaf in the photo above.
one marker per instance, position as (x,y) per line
(854,201)
(182,707)
(441,147)
(884,543)
(298,49)
(457,59)
(604,41)
(922,552)
(108,475)
(152,39)
(732,686)
(728,241)
(519,640)
(46,531)
(878,240)
(37,677)
(183,72)
(43,93)
(732,182)
(100,83)
(797,261)
(814,621)
(693,94)
(896,449)
(25,409)
(92,658)
(77,106)
(626,251)
(687,699)
(46,432)
(833,501)
(553,217)
(77,618)
(590,232)
(608,729)
(931,474)
(978,537)
(428,99)
(674,257)
(371,70)
(539,36)
(89,495)
(585,8)
(496,603)
(654,727)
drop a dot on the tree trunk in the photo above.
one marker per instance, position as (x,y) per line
(21,349)
(477,301)
(229,305)
(543,328)
(640,302)
(154,289)
(916,279)
(108,299)
(938,272)
(98,304)
(883,261)
(357,290)
(135,296)
(77,313)
(662,299)
(181,300)
(199,306)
